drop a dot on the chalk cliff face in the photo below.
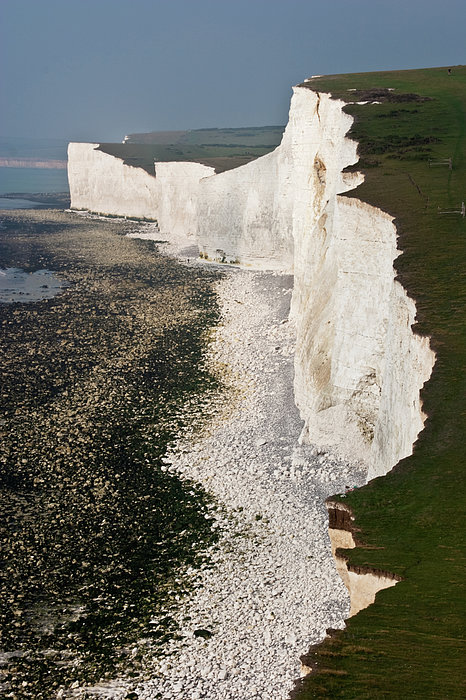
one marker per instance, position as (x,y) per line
(256,214)
(359,366)
(245,215)
(102,183)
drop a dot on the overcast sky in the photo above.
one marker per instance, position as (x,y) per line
(98,69)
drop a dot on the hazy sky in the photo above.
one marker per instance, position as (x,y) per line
(98,69)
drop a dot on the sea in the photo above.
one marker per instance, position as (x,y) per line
(33,180)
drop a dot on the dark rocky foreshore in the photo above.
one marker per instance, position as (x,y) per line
(94,529)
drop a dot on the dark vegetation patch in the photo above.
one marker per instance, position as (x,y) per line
(386,95)
(394,143)
(396,113)
(95,532)
(411,520)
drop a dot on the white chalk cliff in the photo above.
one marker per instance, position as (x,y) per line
(106,185)
(359,366)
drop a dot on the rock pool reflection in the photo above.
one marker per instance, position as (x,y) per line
(26,287)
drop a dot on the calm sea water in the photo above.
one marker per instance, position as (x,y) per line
(37,148)
(33,180)
(19,203)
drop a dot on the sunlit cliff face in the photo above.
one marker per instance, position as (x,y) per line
(104,184)
(358,366)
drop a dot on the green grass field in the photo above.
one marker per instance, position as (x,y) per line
(242,136)
(222,149)
(410,643)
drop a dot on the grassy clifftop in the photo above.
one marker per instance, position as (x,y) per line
(222,149)
(264,136)
(410,643)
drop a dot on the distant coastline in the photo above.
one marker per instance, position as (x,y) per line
(32,163)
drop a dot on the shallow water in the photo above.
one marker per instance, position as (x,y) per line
(18,203)
(19,286)
(31,180)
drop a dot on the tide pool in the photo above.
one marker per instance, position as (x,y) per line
(18,285)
